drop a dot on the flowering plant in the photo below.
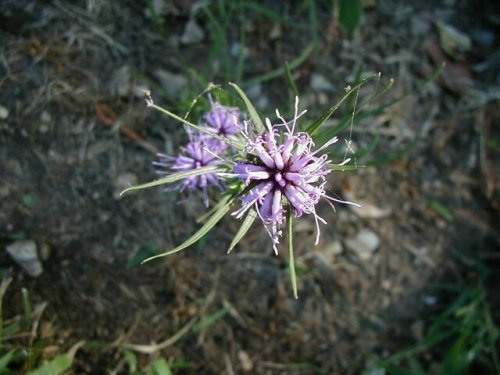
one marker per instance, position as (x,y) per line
(271,171)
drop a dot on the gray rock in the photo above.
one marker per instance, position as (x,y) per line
(172,82)
(320,83)
(25,255)
(4,112)
(193,33)
(364,243)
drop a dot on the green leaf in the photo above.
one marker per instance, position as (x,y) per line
(344,168)
(254,116)
(10,330)
(214,219)
(289,80)
(131,360)
(57,366)
(441,210)
(161,367)
(209,320)
(29,200)
(311,128)
(4,361)
(293,276)
(27,309)
(245,226)
(175,177)
(350,12)
(181,364)
(346,121)
(143,253)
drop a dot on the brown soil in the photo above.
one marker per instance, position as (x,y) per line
(76,130)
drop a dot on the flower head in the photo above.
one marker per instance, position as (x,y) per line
(200,151)
(222,120)
(283,168)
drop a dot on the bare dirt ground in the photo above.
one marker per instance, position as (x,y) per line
(77,131)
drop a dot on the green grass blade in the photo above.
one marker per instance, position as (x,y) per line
(27,309)
(245,226)
(240,64)
(294,64)
(289,79)
(214,219)
(209,320)
(131,359)
(254,116)
(316,124)
(211,211)
(313,21)
(293,275)
(441,210)
(350,12)
(5,360)
(57,366)
(161,367)
(174,177)
(363,153)
(392,155)
(344,168)
(3,288)
(266,11)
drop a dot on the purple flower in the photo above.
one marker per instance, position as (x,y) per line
(224,121)
(200,151)
(283,168)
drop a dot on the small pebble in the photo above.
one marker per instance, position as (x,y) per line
(123,181)
(245,361)
(193,33)
(173,83)
(4,112)
(364,243)
(25,255)
(320,83)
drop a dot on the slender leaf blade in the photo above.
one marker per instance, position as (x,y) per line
(56,366)
(294,64)
(441,210)
(254,116)
(293,275)
(239,145)
(210,223)
(5,360)
(245,226)
(175,177)
(131,359)
(209,320)
(317,123)
(350,12)
(161,367)
(289,79)
(343,168)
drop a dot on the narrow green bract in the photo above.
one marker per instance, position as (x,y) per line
(214,219)
(293,275)
(254,116)
(175,177)
(245,226)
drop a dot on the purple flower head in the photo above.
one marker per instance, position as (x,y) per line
(283,168)
(224,121)
(200,151)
